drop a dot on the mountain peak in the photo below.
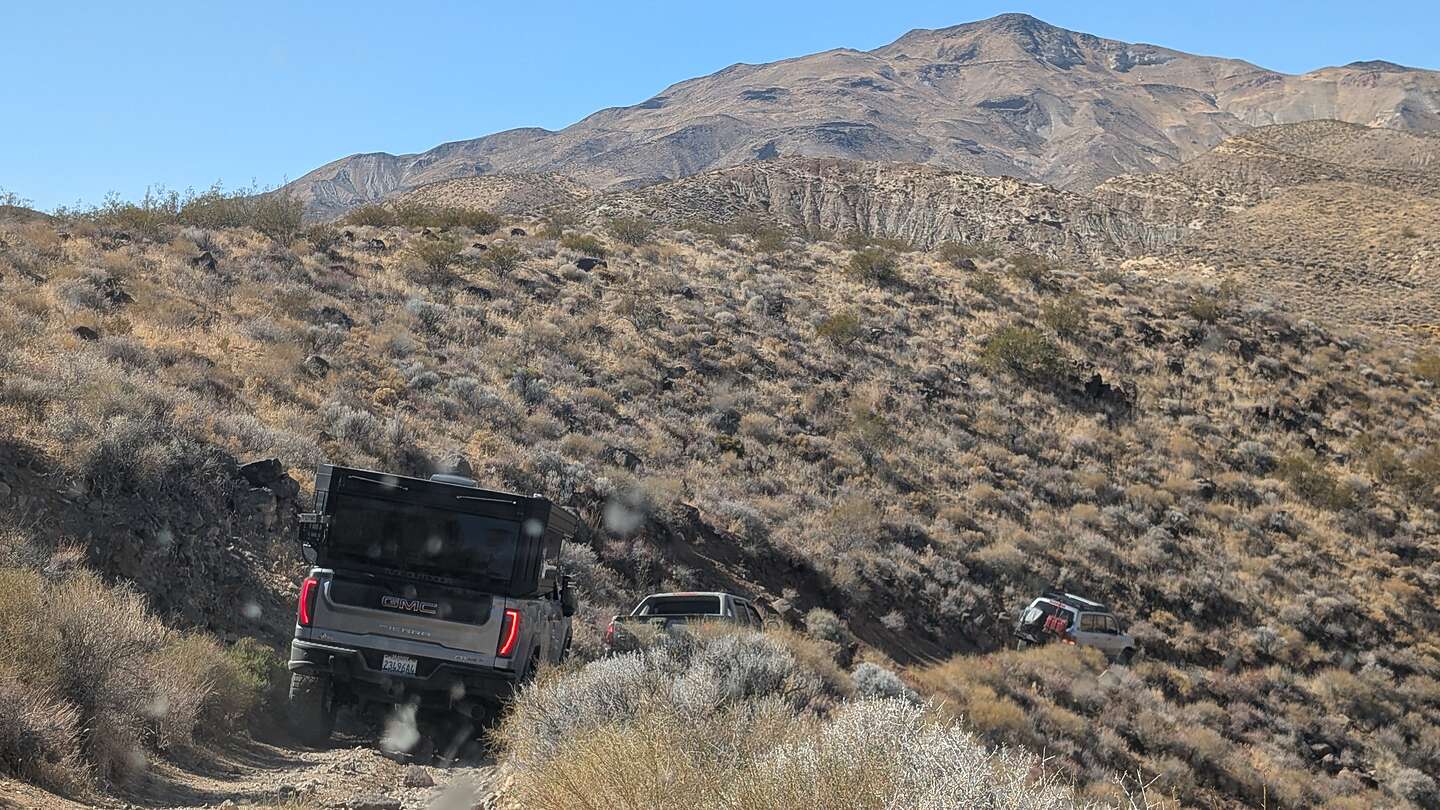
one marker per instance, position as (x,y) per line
(1379,66)
(1015,19)
(1010,95)
(1001,38)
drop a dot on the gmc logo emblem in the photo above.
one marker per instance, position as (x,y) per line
(412,605)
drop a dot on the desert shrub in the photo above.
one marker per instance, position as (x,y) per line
(373,215)
(353,426)
(871,754)
(275,214)
(758,426)
(682,673)
(502,259)
(255,671)
(129,452)
(147,217)
(1308,478)
(421,215)
(1422,474)
(956,253)
(1031,268)
(1427,367)
(436,254)
(322,237)
(824,624)
(278,216)
(39,736)
(986,284)
(720,710)
(842,328)
(875,265)
(633,231)
(859,240)
(874,681)
(585,244)
(1205,308)
(1022,350)
(559,222)
(1065,316)
(91,652)
(769,239)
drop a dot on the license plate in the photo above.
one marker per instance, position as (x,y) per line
(398,664)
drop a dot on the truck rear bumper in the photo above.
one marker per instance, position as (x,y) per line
(437,682)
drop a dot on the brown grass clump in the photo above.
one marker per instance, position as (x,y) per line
(97,683)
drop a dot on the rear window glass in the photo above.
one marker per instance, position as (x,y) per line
(681,606)
(1043,610)
(410,537)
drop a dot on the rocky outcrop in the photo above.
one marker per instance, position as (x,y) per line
(921,205)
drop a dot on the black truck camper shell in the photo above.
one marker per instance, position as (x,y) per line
(536,526)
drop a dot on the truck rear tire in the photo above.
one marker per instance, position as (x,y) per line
(312,709)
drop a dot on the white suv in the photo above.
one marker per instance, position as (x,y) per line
(1074,620)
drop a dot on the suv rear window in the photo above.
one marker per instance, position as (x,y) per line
(681,606)
(1044,609)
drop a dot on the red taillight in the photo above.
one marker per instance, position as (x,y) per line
(610,633)
(308,589)
(509,633)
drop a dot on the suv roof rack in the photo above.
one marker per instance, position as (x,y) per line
(1077,602)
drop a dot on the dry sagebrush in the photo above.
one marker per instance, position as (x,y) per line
(93,683)
(731,721)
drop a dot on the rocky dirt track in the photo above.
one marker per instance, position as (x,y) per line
(350,775)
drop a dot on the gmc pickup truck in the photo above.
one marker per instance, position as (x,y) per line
(432,592)
(660,611)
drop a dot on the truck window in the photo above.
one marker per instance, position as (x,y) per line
(1092,623)
(755,616)
(680,606)
(1112,626)
(410,537)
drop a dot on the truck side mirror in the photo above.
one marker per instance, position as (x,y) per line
(313,530)
(569,599)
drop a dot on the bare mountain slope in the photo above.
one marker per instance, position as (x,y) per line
(501,193)
(1006,96)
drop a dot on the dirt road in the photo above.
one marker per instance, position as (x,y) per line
(350,775)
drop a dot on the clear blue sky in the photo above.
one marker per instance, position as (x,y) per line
(100,97)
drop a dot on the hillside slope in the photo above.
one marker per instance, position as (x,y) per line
(1335,221)
(500,193)
(914,444)
(1010,95)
